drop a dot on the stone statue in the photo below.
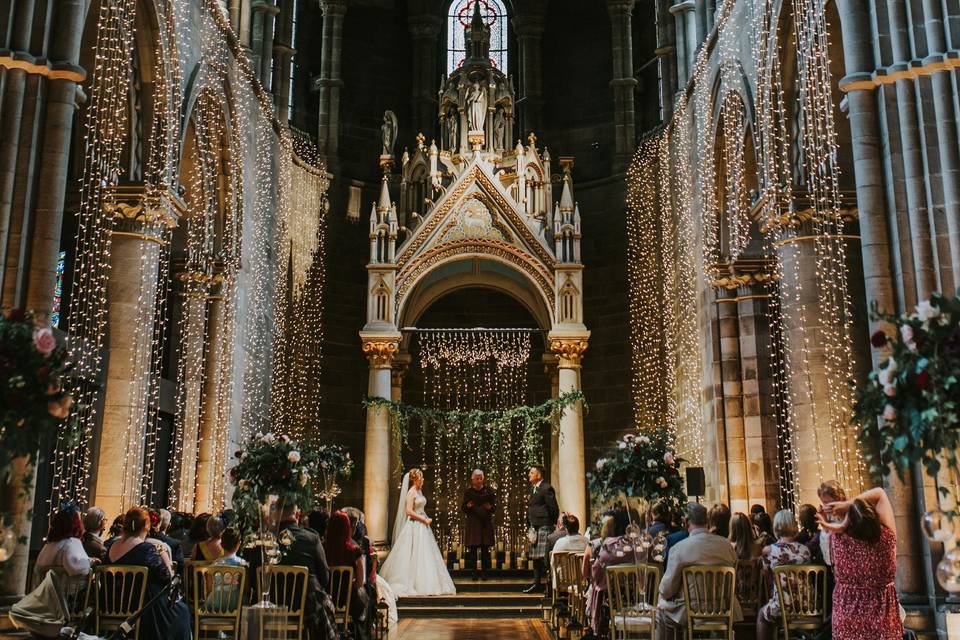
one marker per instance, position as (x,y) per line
(499,130)
(388,132)
(477,101)
(451,120)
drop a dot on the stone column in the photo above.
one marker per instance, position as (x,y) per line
(946,116)
(269,11)
(210,410)
(623,83)
(131,307)
(867,145)
(728,326)
(380,351)
(283,53)
(424,30)
(572,484)
(398,371)
(683,16)
(330,82)
(550,362)
(190,392)
(529,27)
(667,48)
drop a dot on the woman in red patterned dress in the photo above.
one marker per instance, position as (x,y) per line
(864,554)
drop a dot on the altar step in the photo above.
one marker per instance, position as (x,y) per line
(498,596)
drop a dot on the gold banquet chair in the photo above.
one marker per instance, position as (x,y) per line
(576,589)
(802,593)
(119,592)
(751,587)
(340,589)
(189,573)
(218,600)
(287,586)
(560,586)
(633,591)
(709,595)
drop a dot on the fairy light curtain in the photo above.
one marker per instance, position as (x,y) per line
(465,370)
(679,207)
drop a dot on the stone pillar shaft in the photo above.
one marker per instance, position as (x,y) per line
(572,483)
(624,84)
(424,30)
(328,132)
(376,457)
(191,386)
(210,414)
(529,27)
(732,401)
(131,307)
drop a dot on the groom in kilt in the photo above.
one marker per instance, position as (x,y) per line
(542,514)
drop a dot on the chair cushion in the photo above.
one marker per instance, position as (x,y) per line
(632,623)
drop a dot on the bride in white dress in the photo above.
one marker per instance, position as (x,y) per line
(415,566)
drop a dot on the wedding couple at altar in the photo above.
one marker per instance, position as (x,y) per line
(416,567)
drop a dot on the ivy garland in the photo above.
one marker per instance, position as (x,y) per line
(491,427)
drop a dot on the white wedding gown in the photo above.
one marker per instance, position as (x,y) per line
(415,566)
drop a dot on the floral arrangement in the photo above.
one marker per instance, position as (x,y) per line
(32,370)
(333,461)
(908,411)
(270,468)
(639,465)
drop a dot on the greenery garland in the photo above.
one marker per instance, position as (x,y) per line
(492,425)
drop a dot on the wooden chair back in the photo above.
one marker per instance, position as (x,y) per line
(287,587)
(218,600)
(189,573)
(751,586)
(119,593)
(802,594)
(340,589)
(633,592)
(709,594)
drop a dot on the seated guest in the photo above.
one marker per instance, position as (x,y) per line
(612,552)
(359,537)
(559,532)
(340,549)
(700,548)
(161,534)
(662,517)
(94,523)
(764,529)
(742,538)
(116,528)
(210,549)
(786,550)
(223,595)
(674,538)
(829,492)
(167,619)
(755,509)
(304,550)
(63,547)
(229,517)
(571,542)
(317,521)
(864,556)
(809,532)
(195,535)
(719,518)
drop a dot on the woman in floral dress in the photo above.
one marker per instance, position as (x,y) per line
(864,554)
(786,550)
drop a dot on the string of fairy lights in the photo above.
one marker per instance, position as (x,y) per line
(469,369)
(239,200)
(670,188)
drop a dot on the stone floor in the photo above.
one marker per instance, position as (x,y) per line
(469,629)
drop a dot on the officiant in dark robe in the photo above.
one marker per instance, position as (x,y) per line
(479,504)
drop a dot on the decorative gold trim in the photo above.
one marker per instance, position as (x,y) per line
(569,351)
(44,70)
(837,236)
(141,236)
(380,353)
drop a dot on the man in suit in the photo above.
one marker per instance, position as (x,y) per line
(176,549)
(700,548)
(542,513)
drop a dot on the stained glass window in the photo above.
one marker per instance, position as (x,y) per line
(58,290)
(460,14)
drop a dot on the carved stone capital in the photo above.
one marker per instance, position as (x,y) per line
(620,7)
(741,274)
(333,7)
(399,369)
(569,350)
(380,353)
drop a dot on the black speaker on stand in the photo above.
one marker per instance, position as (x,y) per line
(696,482)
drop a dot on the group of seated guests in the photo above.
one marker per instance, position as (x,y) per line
(161,541)
(855,539)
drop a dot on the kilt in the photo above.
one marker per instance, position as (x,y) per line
(538,549)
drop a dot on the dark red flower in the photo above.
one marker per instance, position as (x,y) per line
(43,373)
(923,380)
(879,339)
(638,448)
(16,315)
(238,454)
